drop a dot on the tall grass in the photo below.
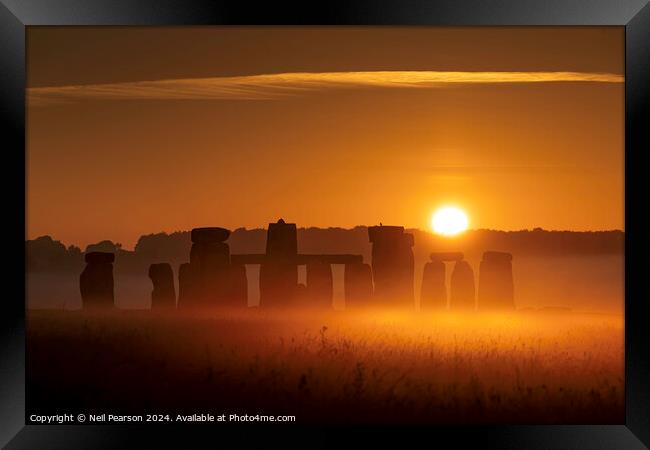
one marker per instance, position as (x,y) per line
(378,366)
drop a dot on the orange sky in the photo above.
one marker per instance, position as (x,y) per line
(324,126)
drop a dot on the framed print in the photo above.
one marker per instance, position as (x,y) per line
(267,217)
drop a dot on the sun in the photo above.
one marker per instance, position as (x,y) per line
(449,221)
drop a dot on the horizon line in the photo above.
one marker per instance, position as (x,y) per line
(494,230)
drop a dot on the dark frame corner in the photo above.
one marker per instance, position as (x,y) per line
(634,15)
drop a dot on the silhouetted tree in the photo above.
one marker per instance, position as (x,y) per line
(46,254)
(164,247)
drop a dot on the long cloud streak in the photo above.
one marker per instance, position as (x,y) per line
(273,86)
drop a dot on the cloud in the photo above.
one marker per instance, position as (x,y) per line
(274,86)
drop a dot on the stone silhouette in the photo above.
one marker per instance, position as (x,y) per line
(211,257)
(279,271)
(320,285)
(278,284)
(209,235)
(433,292)
(96,281)
(447,256)
(358,288)
(209,279)
(496,285)
(238,285)
(462,293)
(163,294)
(188,283)
(392,265)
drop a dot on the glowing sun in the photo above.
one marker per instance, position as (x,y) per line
(449,221)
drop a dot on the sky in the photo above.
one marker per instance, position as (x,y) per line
(138,130)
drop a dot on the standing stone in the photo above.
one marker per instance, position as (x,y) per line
(210,258)
(496,285)
(210,254)
(210,267)
(357,279)
(433,294)
(188,286)
(392,265)
(409,268)
(239,286)
(96,281)
(215,271)
(279,272)
(278,284)
(462,291)
(282,241)
(320,284)
(164,292)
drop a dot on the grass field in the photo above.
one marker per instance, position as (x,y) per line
(372,366)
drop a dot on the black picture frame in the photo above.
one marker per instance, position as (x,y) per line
(634,15)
